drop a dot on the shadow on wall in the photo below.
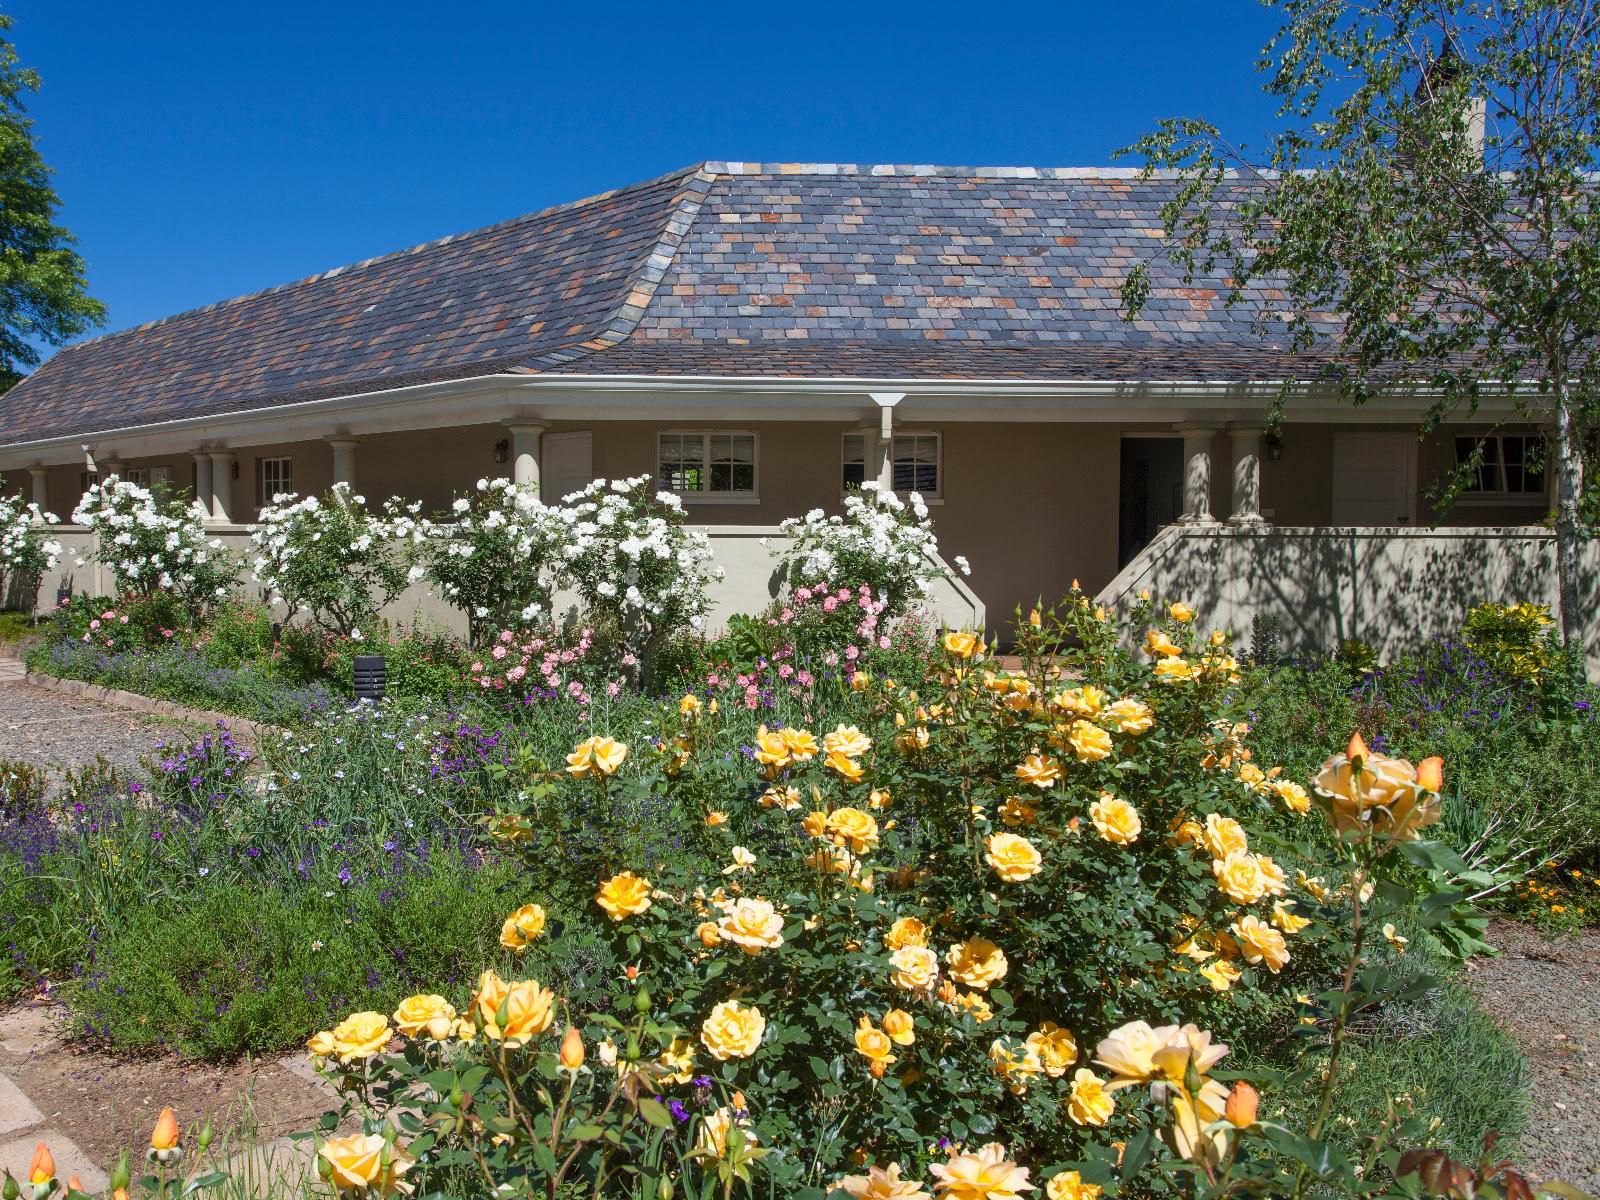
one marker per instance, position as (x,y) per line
(1392,588)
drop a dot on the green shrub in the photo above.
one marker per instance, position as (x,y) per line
(251,970)
(1518,639)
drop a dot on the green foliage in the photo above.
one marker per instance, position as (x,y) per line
(43,284)
(247,969)
(1516,639)
(22,789)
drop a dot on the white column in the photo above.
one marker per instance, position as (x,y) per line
(1246,442)
(1197,474)
(202,481)
(41,487)
(344,460)
(525,437)
(222,486)
(884,449)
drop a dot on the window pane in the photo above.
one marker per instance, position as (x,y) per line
(744,477)
(721,477)
(681,461)
(916,464)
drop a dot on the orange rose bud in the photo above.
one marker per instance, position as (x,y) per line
(74,1184)
(739,1101)
(1357,749)
(1240,1109)
(572,1049)
(43,1167)
(120,1194)
(165,1136)
(1430,774)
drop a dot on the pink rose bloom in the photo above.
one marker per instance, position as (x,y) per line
(516,674)
(505,636)
(844,593)
(883,643)
(785,671)
(804,677)
(851,653)
(831,658)
(107,615)
(829,604)
(786,615)
(629,659)
(802,594)
(124,620)
(567,656)
(499,651)
(574,688)
(584,698)
(94,624)
(613,688)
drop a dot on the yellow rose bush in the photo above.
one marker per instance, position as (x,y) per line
(984,933)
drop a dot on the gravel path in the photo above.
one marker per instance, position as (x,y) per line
(1545,992)
(52,730)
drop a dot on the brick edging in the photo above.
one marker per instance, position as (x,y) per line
(136,702)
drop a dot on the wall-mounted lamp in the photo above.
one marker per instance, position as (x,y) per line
(235,471)
(1274,445)
(502,450)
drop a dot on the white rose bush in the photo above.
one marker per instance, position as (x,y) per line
(332,558)
(26,552)
(155,546)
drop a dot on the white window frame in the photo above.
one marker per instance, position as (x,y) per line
(1500,495)
(753,496)
(263,493)
(869,443)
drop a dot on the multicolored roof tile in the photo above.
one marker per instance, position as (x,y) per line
(721,270)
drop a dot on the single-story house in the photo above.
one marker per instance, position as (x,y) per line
(762,338)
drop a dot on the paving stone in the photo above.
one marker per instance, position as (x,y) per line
(31,1029)
(16,1110)
(16,1156)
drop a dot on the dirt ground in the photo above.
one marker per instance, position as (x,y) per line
(1545,992)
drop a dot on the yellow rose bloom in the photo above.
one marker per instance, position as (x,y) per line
(1222,836)
(1015,1065)
(772,751)
(321,1044)
(880,1183)
(878,798)
(366,1163)
(1175,670)
(973,1004)
(1180,612)
(689,706)
(733,1030)
(427,1016)
(900,1026)
(596,756)
(854,829)
(1069,1185)
(1221,974)
(1239,877)
(906,931)
(1083,701)
(1252,776)
(1115,820)
(1089,742)
(708,933)
(361,1035)
(1041,771)
(1260,943)
(815,823)
(712,1135)
(1128,716)
(1277,879)
(522,927)
(1056,1047)
(1295,798)
(848,741)
(915,968)
(874,1045)
(1158,645)
(976,962)
(677,1062)
(1013,857)
(985,1174)
(529,1009)
(801,744)
(1285,918)
(624,895)
(1017,810)
(962,644)
(847,768)
(752,925)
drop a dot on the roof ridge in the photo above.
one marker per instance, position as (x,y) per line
(647,276)
(570,205)
(890,170)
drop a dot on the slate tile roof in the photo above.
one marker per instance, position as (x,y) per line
(725,269)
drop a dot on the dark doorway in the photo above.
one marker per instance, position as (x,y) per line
(1151,492)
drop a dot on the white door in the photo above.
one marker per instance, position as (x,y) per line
(1374,479)
(568,464)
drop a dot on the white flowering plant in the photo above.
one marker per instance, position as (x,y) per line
(154,546)
(26,551)
(332,558)
(496,556)
(640,572)
(880,540)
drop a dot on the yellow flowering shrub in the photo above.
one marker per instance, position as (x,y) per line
(966,937)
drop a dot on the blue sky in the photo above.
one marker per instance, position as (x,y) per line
(204,150)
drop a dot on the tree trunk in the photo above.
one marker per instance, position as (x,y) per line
(1569,528)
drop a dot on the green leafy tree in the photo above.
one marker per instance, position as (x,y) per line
(1427,210)
(42,285)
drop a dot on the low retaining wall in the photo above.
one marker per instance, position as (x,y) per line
(750,579)
(1390,587)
